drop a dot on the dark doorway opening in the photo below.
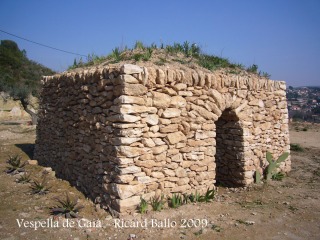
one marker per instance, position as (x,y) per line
(229,150)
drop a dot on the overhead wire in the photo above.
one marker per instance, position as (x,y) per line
(43,45)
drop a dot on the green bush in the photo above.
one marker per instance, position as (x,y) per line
(296,147)
(116,55)
(253,68)
(139,45)
(278,176)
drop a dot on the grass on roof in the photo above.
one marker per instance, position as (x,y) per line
(185,53)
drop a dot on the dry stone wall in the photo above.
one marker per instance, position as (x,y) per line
(119,133)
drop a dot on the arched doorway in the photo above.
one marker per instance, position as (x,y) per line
(229,150)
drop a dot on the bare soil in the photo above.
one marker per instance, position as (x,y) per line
(287,209)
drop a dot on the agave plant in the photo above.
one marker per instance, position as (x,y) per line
(176,200)
(209,195)
(25,178)
(157,203)
(40,186)
(143,206)
(15,165)
(194,197)
(67,207)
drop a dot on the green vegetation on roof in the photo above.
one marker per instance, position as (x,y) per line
(186,53)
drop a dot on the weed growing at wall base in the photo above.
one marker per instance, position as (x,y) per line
(175,201)
(296,147)
(143,206)
(67,207)
(157,203)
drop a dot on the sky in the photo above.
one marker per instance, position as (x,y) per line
(281,36)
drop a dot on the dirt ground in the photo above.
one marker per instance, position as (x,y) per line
(288,209)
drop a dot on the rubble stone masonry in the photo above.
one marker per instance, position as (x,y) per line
(122,132)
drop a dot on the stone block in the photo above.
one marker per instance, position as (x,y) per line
(130,89)
(171,113)
(124,79)
(159,149)
(128,151)
(123,205)
(169,129)
(148,142)
(124,99)
(152,119)
(130,69)
(181,172)
(128,170)
(123,118)
(161,100)
(176,137)
(32,162)
(157,174)
(178,102)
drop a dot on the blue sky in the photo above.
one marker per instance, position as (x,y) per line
(281,36)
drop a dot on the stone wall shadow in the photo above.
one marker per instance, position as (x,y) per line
(28,148)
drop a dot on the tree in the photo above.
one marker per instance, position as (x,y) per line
(19,76)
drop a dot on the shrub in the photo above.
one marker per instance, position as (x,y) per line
(214,62)
(253,68)
(278,176)
(139,45)
(116,55)
(161,61)
(147,55)
(67,207)
(296,147)
(265,74)
(137,57)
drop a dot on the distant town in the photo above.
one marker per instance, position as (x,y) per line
(304,103)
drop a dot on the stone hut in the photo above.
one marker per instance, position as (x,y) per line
(121,132)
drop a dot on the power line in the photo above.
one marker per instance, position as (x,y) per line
(43,45)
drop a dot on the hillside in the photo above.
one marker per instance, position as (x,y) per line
(16,70)
(19,76)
